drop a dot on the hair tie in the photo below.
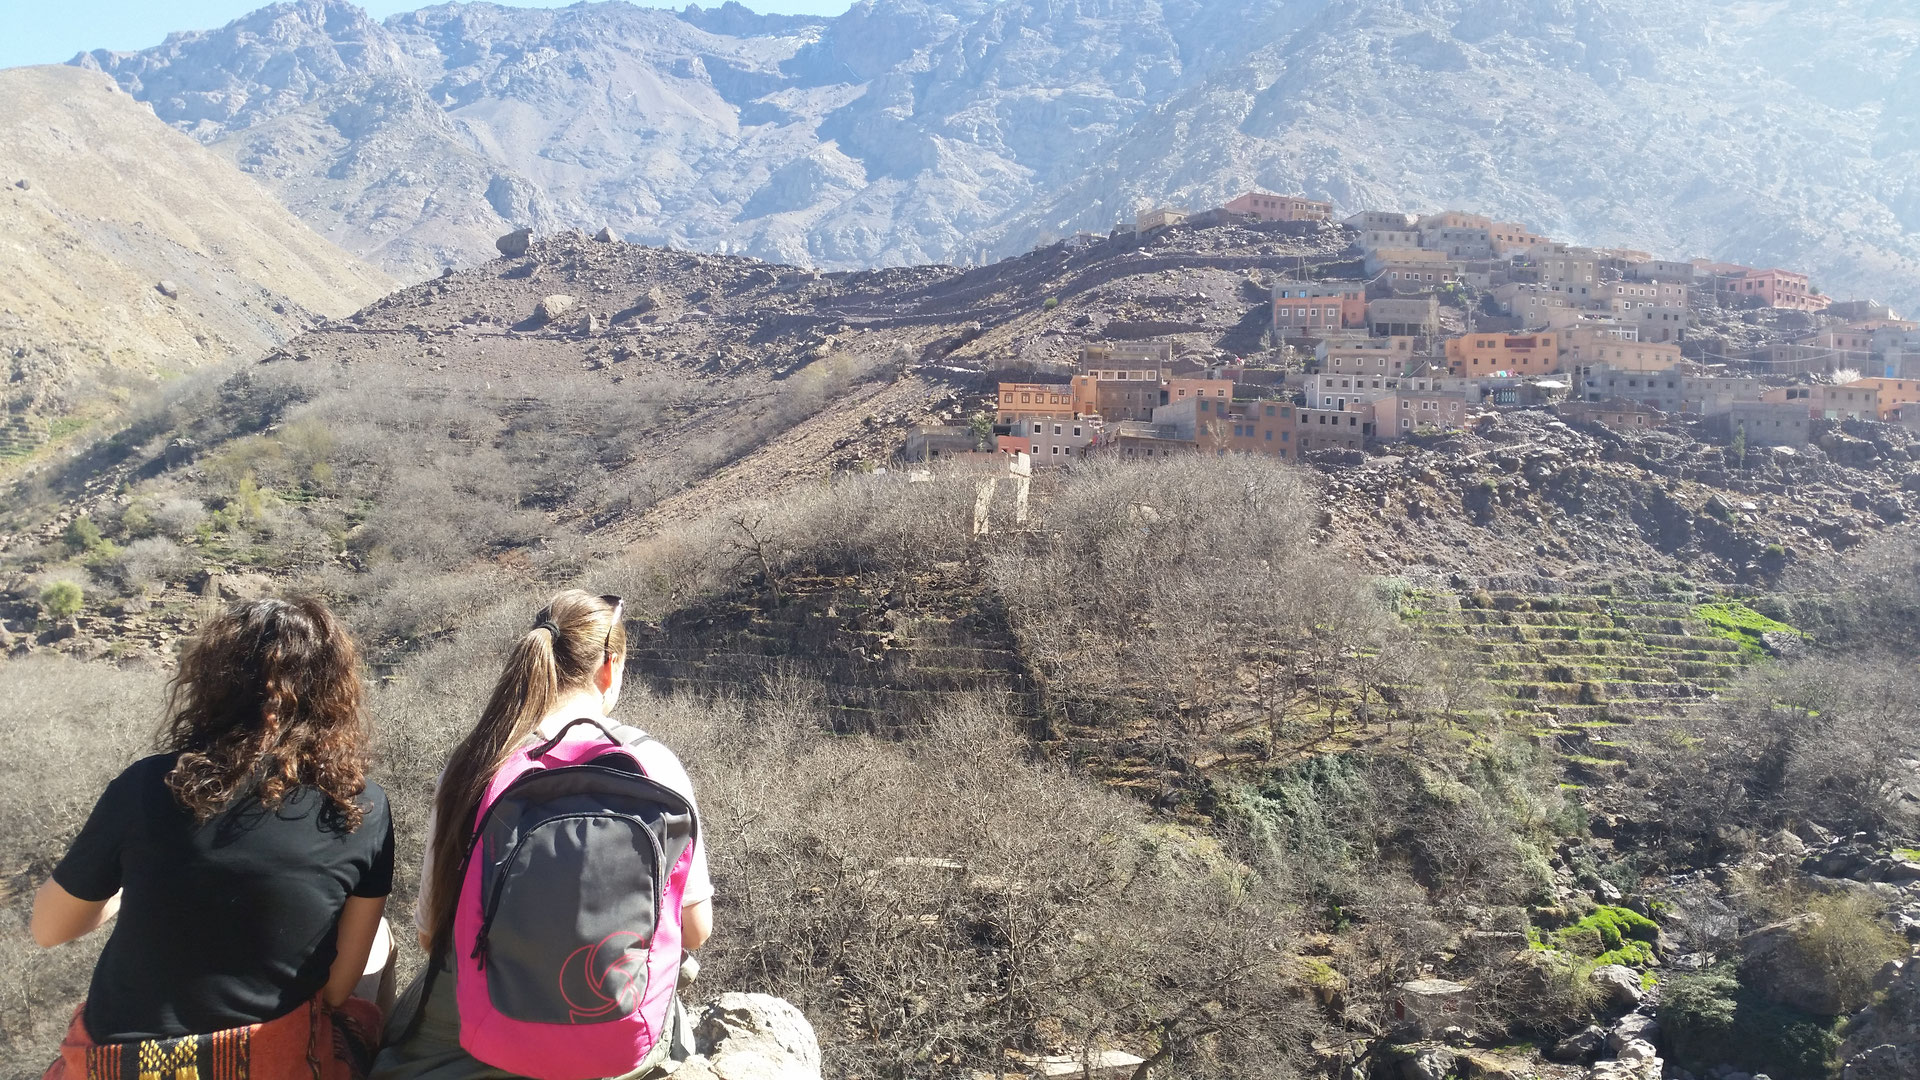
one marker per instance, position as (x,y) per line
(549,626)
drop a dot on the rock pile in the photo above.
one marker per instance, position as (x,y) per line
(1525,486)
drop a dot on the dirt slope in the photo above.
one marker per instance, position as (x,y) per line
(100,203)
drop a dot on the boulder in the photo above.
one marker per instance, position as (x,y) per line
(515,244)
(1883,1062)
(604,236)
(1785,843)
(1643,1069)
(1884,1041)
(1632,1028)
(167,289)
(1429,1063)
(1579,1048)
(1638,1050)
(555,306)
(1777,966)
(1621,985)
(752,1037)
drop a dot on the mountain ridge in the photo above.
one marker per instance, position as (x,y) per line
(134,253)
(907,131)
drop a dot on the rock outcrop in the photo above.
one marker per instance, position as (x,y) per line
(752,1037)
(1883,1040)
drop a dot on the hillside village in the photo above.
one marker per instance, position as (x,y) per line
(1432,324)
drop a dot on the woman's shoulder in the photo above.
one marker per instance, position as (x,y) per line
(147,772)
(373,799)
(660,761)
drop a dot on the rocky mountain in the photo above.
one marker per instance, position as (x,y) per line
(958,130)
(131,251)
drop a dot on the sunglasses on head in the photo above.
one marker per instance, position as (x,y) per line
(618,605)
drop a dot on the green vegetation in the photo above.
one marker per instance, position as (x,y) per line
(83,535)
(1610,935)
(1741,625)
(63,599)
(1052,302)
(1711,1018)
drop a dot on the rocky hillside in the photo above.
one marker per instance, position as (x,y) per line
(131,251)
(911,131)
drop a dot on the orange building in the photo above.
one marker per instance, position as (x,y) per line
(1848,401)
(1893,394)
(1035,399)
(1586,346)
(1178,390)
(1261,206)
(1511,237)
(1115,399)
(1300,308)
(1770,288)
(1519,354)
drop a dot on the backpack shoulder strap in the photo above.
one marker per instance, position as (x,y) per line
(631,737)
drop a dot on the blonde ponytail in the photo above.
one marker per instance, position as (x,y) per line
(558,655)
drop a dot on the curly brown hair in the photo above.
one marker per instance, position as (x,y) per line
(267,700)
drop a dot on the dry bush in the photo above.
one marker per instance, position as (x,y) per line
(1824,739)
(860,524)
(70,728)
(927,925)
(154,560)
(1868,600)
(1192,589)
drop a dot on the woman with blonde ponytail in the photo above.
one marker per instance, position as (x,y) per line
(563,673)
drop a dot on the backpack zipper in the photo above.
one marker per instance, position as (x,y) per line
(492,906)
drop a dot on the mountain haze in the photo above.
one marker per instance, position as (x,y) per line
(911,131)
(130,251)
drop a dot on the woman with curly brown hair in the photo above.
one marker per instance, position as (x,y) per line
(248,864)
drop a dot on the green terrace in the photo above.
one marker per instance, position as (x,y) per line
(1579,669)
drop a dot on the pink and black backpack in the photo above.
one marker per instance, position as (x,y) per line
(567,934)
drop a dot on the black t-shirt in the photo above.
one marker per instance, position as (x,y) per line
(223,924)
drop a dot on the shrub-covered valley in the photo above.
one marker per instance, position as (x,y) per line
(1540,750)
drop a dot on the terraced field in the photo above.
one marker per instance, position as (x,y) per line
(1580,667)
(876,659)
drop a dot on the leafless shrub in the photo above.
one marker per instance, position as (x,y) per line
(70,727)
(179,516)
(1824,739)
(927,926)
(1194,588)
(152,561)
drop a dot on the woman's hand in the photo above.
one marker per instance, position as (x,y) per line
(60,917)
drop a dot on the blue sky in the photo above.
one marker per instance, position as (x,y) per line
(51,31)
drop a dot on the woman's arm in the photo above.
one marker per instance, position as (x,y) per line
(60,917)
(353,942)
(696,924)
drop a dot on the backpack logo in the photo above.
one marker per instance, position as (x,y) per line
(604,981)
